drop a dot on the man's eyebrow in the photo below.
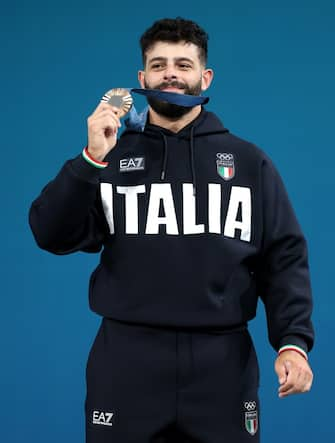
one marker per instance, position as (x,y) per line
(176,59)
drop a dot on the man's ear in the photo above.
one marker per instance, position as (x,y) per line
(141,76)
(206,80)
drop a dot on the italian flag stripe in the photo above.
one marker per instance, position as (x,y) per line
(293,348)
(227,172)
(92,161)
(252,425)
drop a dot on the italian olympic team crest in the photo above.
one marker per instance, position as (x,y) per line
(225,165)
(250,417)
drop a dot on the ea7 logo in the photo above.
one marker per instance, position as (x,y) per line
(102,418)
(132,164)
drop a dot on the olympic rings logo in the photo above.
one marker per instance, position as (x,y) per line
(250,405)
(224,156)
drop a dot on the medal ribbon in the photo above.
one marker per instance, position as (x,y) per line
(137,121)
(172,97)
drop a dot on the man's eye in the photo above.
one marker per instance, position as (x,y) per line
(156,66)
(184,66)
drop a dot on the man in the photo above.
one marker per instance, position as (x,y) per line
(195,224)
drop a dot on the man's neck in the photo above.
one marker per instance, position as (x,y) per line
(177,125)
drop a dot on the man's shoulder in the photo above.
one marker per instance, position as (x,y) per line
(231,139)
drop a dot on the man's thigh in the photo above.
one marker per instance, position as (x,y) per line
(218,388)
(131,385)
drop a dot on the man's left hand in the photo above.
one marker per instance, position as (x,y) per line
(294,373)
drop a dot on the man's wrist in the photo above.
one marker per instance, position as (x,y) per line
(92,161)
(293,348)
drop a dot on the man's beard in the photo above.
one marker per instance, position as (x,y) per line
(169,110)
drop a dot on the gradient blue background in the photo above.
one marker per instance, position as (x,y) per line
(274,85)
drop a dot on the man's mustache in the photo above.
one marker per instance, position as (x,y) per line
(174,84)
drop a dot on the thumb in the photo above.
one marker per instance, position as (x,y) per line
(282,370)
(287,365)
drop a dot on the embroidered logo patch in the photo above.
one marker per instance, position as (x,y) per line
(225,165)
(102,418)
(250,417)
(132,164)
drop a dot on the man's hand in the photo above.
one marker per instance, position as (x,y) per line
(294,373)
(103,126)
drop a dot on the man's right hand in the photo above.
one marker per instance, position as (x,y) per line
(103,126)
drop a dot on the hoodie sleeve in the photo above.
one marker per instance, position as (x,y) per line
(283,276)
(68,216)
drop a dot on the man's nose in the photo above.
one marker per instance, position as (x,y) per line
(170,73)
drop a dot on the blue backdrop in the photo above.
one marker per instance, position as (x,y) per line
(274,85)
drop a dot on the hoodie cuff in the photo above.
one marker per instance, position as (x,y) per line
(293,343)
(92,161)
(84,170)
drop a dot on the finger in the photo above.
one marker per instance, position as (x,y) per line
(105,124)
(285,387)
(291,380)
(293,371)
(106,113)
(287,393)
(295,390)
(307,380)
(281,373)
(300,383)
(115,112)
(104,121)
(102,106)
(303,377)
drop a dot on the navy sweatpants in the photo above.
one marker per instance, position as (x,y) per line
(153,385)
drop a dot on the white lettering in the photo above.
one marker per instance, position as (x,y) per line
(109,416)
(161,210)
(214,208)
(101,417)
(106,190)
(189,211)
(131,204)
(139,161)
(239,196)
(161,192)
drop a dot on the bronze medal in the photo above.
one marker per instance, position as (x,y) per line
(120,98)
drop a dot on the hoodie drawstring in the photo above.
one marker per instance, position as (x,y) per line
(165,157)
(192,159)
(194,180)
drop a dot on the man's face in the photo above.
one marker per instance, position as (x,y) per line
(174,67)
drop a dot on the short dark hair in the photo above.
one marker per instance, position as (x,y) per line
(175,30)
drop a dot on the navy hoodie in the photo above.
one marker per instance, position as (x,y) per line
(194,226)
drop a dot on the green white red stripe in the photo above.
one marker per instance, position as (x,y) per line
(251,422)
(92,161)
(293,348)
(252,426)
(226,172)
